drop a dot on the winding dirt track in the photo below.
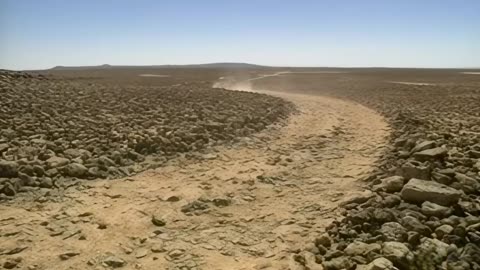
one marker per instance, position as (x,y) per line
(266,196)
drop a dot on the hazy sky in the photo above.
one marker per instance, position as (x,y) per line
(405,33)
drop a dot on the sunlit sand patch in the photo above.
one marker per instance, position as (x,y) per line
(315,72)
(412,83)
(154,75)
(295,72)
(471,73)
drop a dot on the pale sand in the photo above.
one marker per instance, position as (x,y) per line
(471,73)
(413,83)
(153,75)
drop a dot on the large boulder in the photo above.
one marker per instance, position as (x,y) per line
(419,191)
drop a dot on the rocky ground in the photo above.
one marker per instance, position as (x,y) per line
(248,205)
(53,131)
(421,208)
(337,186)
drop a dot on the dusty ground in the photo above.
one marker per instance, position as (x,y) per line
(261,198)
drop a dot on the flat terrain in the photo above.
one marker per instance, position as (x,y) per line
(249,204)
(263,199)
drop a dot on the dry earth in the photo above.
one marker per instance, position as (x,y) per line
(247,206)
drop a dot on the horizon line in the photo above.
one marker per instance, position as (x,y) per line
(239,64)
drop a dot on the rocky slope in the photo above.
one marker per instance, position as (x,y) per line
(53,131)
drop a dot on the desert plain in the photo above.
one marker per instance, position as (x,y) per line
(235,166)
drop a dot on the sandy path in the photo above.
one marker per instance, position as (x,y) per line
(263,198)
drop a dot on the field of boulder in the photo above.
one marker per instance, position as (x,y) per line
(421,207)
(55,130)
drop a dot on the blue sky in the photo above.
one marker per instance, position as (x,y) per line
(422,33)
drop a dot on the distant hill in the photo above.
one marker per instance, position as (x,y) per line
(210,65)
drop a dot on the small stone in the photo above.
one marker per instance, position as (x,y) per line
(158,247)
(157,221)
(380,264)
(323,240)
(392,201)
(8,189)
(423,146)
(172,198)
(390,184)
(431,154)
(358,198)
(11,263)
(443,230)
(398,253)
(431,252)
(85,214)
(114,262)
(414,238)
(176,253)
(433,209)
(3,147)
(413,224)
(338,264)
(140,253)
(8,169)
(210,156)
(361,249)
(222,202)
(38,170)
(55,162)
(442,178)
(393,231)
(413,169)
(102,225)
(76,170)
(67,255)
(468,184)
(46,182)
